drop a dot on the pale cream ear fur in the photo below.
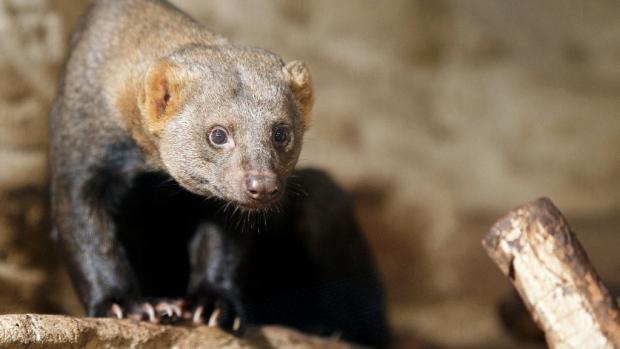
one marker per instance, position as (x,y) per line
(160,98)
(301,83)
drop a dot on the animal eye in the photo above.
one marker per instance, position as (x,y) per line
(218,136)
(281,135)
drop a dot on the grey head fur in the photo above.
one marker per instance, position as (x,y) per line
(247,92)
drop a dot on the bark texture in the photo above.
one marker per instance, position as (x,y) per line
(54,331)
(534,246)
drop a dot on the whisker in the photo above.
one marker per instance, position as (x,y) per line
(166,182)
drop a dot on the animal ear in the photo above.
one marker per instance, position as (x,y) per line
(300,81)
(160,97)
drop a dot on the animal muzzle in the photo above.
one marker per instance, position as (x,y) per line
(261,187)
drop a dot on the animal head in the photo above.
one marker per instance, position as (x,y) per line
(228,121)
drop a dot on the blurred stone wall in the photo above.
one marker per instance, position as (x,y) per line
(438,116)
(32,48)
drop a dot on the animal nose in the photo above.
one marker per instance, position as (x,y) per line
(261,187)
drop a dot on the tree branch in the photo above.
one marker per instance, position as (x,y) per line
(55,331)
(534,246)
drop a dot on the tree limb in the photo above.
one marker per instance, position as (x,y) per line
(534,246)
(33,331)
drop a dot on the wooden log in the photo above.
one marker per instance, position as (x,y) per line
(33,331)
(534,246)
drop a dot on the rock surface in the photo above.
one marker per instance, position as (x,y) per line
(31,331)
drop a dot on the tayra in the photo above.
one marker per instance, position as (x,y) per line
(173,185)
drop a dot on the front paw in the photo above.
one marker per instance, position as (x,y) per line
(155,310)
(216,309)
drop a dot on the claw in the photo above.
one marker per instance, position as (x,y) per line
(117,311)
(167,312)
(214,318)
(197,318)
(163,309)
(176,310)
(237,324)
(149,311)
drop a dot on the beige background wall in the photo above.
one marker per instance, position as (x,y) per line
(439,117)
